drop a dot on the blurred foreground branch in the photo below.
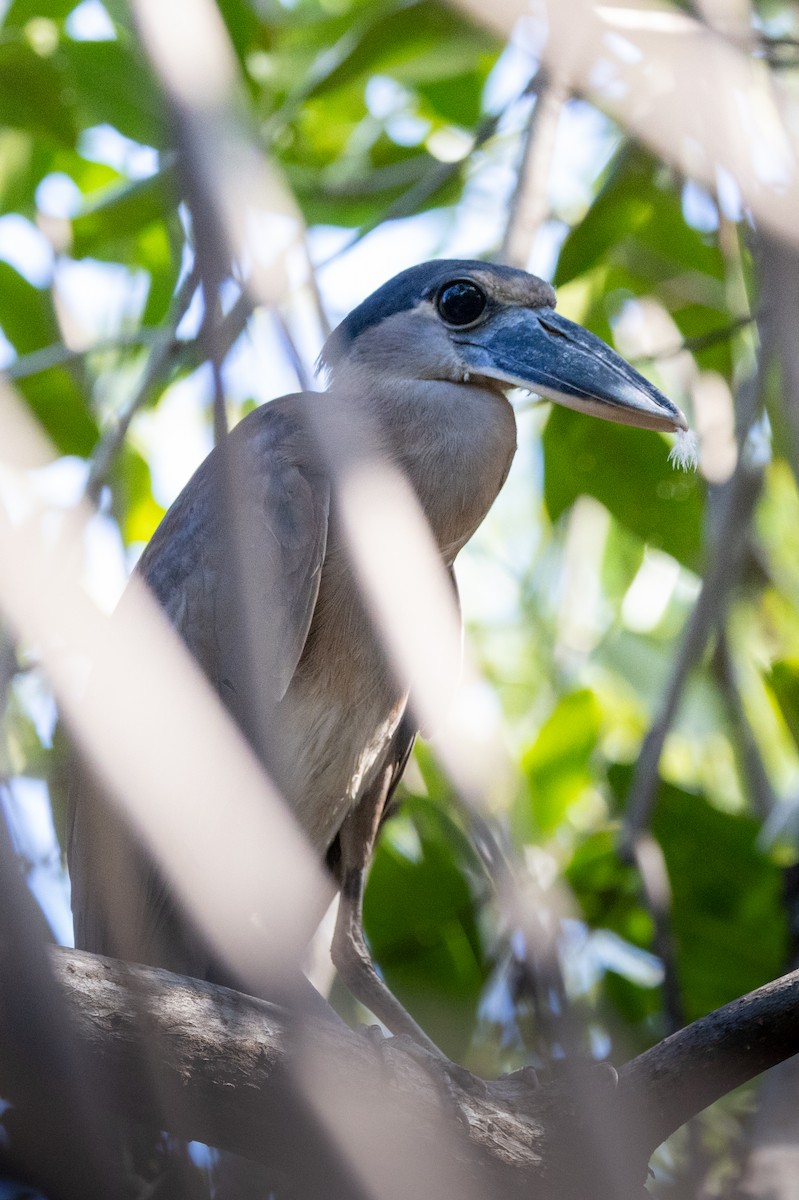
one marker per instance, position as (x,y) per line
(230,1060)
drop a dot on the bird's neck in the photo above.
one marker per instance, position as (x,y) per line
(453,441)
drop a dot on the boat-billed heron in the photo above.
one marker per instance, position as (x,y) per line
(431,355)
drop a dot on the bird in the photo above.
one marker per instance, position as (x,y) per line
(431,356)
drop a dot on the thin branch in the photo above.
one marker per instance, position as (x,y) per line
(168,354)
(434,179)
(9,667)
(781,53)
(759,784)
(703,341)
(726,556)
(529,206)
(158,364)
(61,355)
(654,876)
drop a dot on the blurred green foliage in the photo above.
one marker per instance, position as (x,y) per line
(600,591)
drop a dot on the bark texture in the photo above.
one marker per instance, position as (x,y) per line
(340,1115)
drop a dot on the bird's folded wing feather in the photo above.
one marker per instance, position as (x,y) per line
(240,613)
(237,561)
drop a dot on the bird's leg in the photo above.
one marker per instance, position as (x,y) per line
(349,951)
(354,963)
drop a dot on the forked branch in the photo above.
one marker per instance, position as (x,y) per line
(227,1069)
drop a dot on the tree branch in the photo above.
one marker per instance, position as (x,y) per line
(158,363)
(226,1068)
(736,505)
(529,206)
(686,1072)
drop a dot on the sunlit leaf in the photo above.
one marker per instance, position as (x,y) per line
(783,679)
(415,42)
(623,204)
(557,764)
(456,99)
(21,11)
(135,508)
(123,211)
(60,405)
(637,217)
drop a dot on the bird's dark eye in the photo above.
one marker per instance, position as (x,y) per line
(461,302)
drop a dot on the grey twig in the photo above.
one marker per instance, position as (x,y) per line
(657,895)
(8,667)
(61,355)
(529,205)
(703,341)
(430,182)
(158,363)
(167,354)
(759,784)
(736,502)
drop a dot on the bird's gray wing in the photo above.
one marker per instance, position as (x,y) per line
(237,561)
(278,498)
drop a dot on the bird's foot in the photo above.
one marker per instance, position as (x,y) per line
(452,1080)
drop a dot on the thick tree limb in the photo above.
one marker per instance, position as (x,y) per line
(240,1074)
(229,1050)
(686,1072)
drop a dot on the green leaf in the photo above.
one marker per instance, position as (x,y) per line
(59,404)
(624,202)
(557,764)
(22,11)
(242,23)
(417,42)
(628,471)
(28,321)
(123,211)
(727,916)
(783,680)
(698,321)
(608,889)
(134,506)
(458,98)
(24,160)
(158,248)
(364,197)
(21,750)
(34,94)
(26,312)
(113,85)
(636,221)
